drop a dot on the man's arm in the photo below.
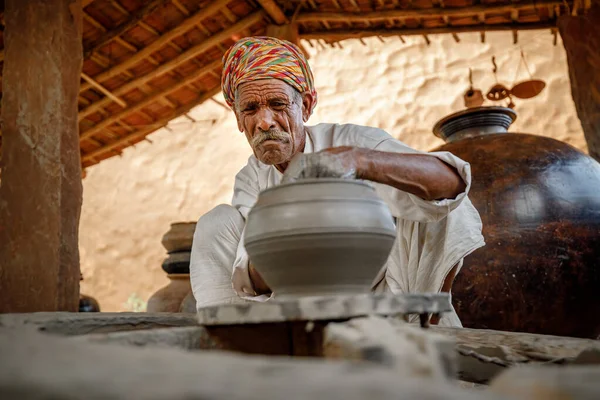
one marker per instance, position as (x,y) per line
(420,174)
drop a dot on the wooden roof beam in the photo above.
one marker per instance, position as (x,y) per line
(161,41)
(357,34)
(157,96)
(183,57)
(273,11)
(156,125)
(135,18)
(423,13)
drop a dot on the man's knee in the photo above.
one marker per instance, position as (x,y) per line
(221,220)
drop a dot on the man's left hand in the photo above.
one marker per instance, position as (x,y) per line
(336,162)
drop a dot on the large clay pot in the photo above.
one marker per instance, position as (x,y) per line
(169,298)
(179,237)
(539,200)
(319,237)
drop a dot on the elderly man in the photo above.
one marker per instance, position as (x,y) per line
(269,85)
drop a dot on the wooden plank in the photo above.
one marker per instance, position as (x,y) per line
(357,34)
(163,40)
(105,123)
(420,13)
(273,11)
(183,57)
(156,125)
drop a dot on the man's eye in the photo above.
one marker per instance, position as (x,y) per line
(278,104)
(249,109)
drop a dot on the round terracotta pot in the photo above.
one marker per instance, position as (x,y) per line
(88,304)
(169,298)
(179,237)
(539,201)
(319,237)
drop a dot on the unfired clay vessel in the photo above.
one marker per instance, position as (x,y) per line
(319,237)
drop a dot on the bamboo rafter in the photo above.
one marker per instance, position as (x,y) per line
(157,124)
(181,58)
(179,30)
(149,100)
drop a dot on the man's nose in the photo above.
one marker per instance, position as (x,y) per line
(266,119)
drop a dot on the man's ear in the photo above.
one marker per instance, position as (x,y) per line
(307,104)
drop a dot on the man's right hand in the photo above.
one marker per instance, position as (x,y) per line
(260,287)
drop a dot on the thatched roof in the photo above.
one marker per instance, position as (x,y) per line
(149,61)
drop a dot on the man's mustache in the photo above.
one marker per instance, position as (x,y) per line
(271,134)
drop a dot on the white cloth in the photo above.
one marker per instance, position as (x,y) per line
(432,236)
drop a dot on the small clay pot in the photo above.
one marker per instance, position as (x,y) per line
(319,237)
(179,237)
(169,298)
(177,263)
(88,304)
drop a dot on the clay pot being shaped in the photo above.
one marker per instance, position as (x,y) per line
(179,237)
(539,201)
(319,237)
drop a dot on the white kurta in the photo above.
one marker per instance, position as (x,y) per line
(432,236)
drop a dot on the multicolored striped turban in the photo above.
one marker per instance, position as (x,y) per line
(263,57)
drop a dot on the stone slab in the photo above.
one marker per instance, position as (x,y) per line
(36,366)
(484,353)
(325,308)
(64,323)
(405,348)
(549,383)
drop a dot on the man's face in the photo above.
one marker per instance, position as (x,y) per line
(271,114)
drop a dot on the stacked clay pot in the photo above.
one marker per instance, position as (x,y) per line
(177,295)
(539,201)
(87,303)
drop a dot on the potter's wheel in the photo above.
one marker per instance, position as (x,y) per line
(316,308)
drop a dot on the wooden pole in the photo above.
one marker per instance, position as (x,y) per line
(273,11)
(581,38)
(41,191)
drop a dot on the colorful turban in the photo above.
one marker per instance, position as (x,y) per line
(263,57)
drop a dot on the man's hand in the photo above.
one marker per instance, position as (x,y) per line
(420,174)
(335,162)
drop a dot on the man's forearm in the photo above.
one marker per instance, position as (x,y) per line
(420,174)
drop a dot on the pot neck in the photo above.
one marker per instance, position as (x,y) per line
(474,122)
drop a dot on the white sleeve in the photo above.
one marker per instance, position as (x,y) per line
(411,207)
(245,194)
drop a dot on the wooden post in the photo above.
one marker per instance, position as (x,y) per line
(581,38)
(40,191)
